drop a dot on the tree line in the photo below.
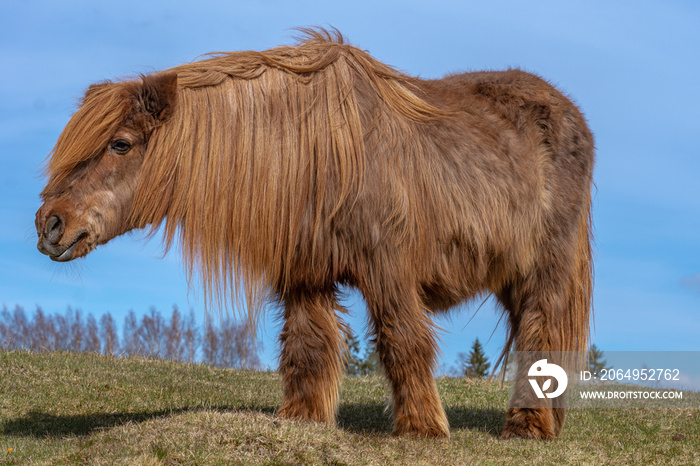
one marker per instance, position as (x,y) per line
(476,365)
(179,338)
(176,337)
(472,365)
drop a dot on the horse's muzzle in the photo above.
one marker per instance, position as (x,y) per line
(52,241)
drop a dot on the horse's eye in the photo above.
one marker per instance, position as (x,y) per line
(121,146)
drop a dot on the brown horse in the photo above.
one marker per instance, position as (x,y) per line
(291,171)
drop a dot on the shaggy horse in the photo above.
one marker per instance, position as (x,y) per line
(289,172)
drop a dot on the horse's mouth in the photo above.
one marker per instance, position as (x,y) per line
(69,253)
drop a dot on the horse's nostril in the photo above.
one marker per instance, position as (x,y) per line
(54,229)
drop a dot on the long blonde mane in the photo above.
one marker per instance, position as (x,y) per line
(262,150)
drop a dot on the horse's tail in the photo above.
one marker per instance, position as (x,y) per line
(579,309)
(573,327)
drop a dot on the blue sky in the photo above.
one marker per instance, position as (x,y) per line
(632,67)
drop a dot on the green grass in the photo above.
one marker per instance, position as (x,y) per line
(59,408)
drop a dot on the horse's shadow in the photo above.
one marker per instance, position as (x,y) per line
(41,425)
(376,419)
(365,419)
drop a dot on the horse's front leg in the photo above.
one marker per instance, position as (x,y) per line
(407,349)
(312,360)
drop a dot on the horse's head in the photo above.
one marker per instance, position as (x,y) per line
(94,168)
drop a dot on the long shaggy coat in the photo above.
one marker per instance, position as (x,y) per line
(291,171)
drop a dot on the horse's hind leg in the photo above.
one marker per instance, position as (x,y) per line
(311,363)
(549,315)
(534,313)
(406,347)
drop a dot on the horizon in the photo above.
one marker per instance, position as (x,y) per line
(631,69)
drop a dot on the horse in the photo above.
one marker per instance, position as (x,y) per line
(287,173)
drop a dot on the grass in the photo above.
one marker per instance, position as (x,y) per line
(60,408)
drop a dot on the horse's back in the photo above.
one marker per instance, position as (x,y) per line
(512,170)
(522,123)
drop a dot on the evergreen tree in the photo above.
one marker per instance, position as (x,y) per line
(356,365)
(595,360)
(476,365)
(370,364)
(352,360)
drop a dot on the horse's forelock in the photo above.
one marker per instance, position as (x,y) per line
(103,109)
(140,103)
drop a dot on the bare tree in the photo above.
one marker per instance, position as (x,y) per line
(228,356)
(191,338)
(179,338)
(108,335)
(247,347)
(210,346)
(237,348)
(151,333)
(42,332)
(61,332)
(7,335)
(19,329)
(76,330)
(92,342)
(173,345)
(131,344)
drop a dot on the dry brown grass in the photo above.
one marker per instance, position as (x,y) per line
(59,408)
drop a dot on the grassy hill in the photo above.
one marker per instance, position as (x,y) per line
(61,408)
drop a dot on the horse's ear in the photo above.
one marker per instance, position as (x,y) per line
(158,95)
